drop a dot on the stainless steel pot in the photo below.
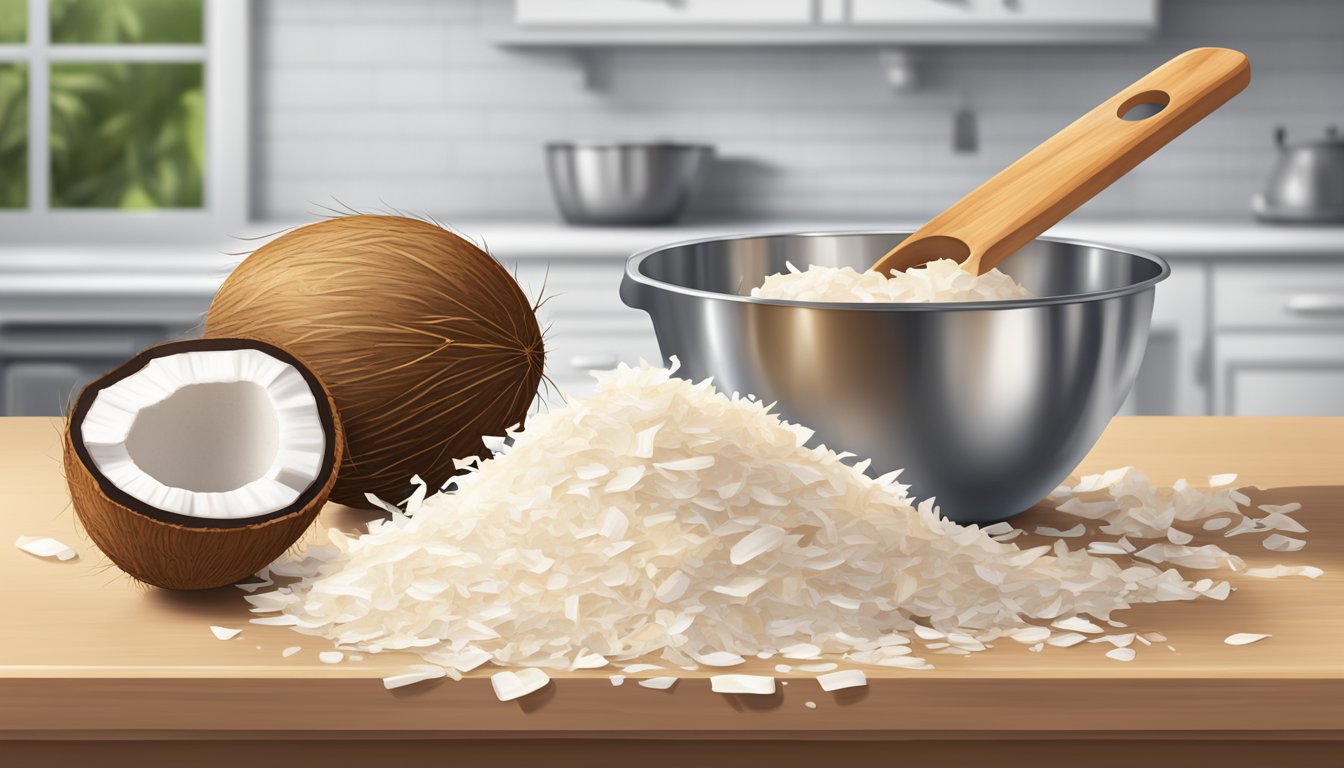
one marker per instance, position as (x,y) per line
(624,183)
(987,405)
(1307,184)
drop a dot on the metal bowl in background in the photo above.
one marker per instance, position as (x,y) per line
(986,405)
(624,183)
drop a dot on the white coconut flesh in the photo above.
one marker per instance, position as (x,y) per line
(211,434)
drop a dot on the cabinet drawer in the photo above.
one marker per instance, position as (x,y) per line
(591,12)
(1045,12)
(1304,297)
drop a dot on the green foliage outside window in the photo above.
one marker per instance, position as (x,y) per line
(126,21)
(127,135)
(13,135)
(13,21)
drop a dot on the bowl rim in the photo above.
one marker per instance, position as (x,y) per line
(553,146)
(635,277)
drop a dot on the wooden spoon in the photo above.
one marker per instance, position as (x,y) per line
(1068,169)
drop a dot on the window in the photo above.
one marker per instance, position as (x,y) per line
(122,118)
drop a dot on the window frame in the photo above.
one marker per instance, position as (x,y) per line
(223,54)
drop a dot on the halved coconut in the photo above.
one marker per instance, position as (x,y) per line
(198,462)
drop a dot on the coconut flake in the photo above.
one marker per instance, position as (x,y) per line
(1121,654)
(510,684)
(291,650)
(617,680)
(224,633)
(418,673)
(45,546)
(720,659)
(330,657)
(1279,571)
(760,685)
(1244,638)
(1074,532)
(1280,543)
(658,683)
(845,678)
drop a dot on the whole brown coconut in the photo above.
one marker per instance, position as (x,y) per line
(425,341)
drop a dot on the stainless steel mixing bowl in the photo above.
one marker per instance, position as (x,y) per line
(987,405)
(624,183)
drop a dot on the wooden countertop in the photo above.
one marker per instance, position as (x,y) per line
(85,653)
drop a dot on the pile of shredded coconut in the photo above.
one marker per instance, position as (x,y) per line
(660,518)
(936,281)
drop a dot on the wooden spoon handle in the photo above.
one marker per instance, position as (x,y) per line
(1068,169)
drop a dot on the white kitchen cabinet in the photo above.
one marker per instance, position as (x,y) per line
(1000,12)
(663,12)
(1174,377)
(1279,338)
(51,345)
(1280,374)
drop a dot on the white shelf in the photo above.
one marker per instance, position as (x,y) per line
(610,36)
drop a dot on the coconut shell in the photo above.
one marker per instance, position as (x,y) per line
(177,552)
(425,341)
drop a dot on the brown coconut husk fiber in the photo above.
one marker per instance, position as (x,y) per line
(176,552)
(425,341)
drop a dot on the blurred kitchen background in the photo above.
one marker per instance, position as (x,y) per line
(146,144)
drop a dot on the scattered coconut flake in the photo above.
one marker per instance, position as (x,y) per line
(634,669)
(45,546)
(1279,543)
(1121,654)
(224,633)
(845,678)
(1037,648)
(330,657)
(1217,523)
(1065,640)
(617,680)
(1277,521)
(1156,637)
(823,667)
(291,650)
(801,651)
(939,280)
(1119,641)
(510,684)
(761,685)
(1031,635)
(658,683)
(720,659)
(1244,638)
(1218,481)
(1074,532)
(1279,571)
(1013,534)
(783,669)
(1282,509)
(1177,536)
(810,704)
(589,661)
(418,673)
(1077,624)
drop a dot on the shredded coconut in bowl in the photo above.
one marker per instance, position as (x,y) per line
(937,281)
(660,518)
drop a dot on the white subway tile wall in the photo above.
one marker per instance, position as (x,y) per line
(409,104)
